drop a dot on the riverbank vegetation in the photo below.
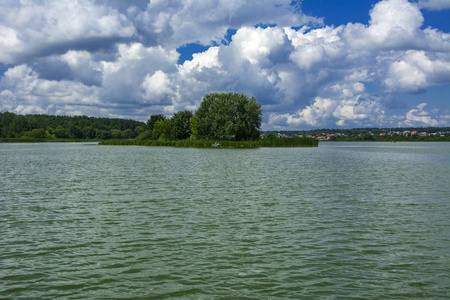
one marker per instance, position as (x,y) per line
(206,143)
(65,128)
(44,140)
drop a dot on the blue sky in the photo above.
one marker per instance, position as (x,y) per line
(311,63)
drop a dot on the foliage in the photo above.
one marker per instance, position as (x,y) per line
(181,124)
(61,132)
(153,119)
(207,143)
(228,115)
(64,127)
(146,135)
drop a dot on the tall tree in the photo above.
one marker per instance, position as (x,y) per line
(228,115)
(153,119)
(181,124)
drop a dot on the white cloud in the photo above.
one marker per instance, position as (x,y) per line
(123,77)
(176,23)
(24,92)
(256,44)
(348,107)
(200,61)
(29,109)
(416,71)
(37,29)
(317,46)
(419,117)
(393,24)
(434,4)
(156,86)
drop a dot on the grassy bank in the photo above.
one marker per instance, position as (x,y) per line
(294,142)
(50,140)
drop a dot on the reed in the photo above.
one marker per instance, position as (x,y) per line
(195,143)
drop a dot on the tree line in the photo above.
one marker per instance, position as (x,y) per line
(67,127)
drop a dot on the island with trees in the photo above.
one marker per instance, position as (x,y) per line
(223,119)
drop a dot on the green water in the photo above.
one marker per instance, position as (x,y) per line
(345,220)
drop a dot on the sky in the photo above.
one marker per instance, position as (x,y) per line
(311,63)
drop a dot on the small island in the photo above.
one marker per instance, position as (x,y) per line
(231,120)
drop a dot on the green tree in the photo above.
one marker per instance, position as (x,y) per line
(367,137)
(158,130)
(162,129)
(88,132)
(153,119)
(181,124)
(75,132)
(102,134)
(116,134)
(138,130)
(193,126)
(228,115)
(168,129)
(129,134)
(38,133)
(145,135)
(61,133)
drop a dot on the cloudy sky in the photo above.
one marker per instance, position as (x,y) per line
(311,63)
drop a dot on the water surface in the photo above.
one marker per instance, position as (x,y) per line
(345,220)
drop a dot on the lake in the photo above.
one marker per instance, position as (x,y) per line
(344,220)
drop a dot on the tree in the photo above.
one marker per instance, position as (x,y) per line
(75,132)
(138,130)
(115,134)
(367,137)
(153,119)
(38,133)
(162,129)
(158,129)
(193,126)
(61,133)
(181,124)
(88,132)
(228,115)
(129,134)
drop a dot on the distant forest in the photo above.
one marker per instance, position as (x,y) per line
(65,127)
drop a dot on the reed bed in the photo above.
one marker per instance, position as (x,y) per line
(196,143)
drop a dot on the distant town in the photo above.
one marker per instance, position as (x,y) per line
(368,134)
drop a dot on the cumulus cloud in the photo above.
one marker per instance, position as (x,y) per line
(44,28)
(415,72)
(156,86)
(419,117)
(24,92)
(110,58)
(177,23)
(348,107)
(434,4)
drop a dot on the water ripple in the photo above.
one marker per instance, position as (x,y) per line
(346,220)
